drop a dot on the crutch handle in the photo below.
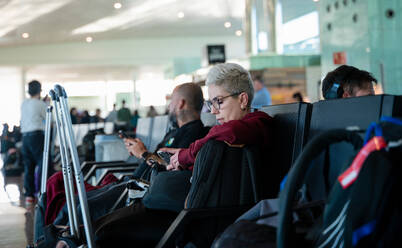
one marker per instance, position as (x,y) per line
(53,95)
(60,91)
(49,109)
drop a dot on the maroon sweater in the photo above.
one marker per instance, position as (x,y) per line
(254,128)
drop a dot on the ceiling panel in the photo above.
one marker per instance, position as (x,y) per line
(50,21)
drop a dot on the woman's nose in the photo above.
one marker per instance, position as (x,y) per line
(214,111)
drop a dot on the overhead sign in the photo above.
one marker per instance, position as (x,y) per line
(216,54)
(339,58)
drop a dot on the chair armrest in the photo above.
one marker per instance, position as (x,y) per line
(87,165)
(188,215)
(96,167)
(124,168)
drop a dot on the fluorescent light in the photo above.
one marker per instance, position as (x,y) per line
(180,14)
(117,5)
(238,32)
(19,12)
(25,35)
(227,24)
(134,16)
(89,39)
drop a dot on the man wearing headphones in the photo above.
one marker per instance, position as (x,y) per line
(33,115)
(347,81)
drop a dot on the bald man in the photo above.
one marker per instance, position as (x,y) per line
(184,110)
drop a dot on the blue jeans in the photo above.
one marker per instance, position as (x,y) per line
(32,154)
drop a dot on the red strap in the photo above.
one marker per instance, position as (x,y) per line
(350,175)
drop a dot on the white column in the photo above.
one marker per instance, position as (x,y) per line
(260,26)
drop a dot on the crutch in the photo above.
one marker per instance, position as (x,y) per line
(40,208)
(66,120)
(45,162)
(66,169)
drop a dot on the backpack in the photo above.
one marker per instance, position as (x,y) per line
(363,207)
(225,176)
(367,212)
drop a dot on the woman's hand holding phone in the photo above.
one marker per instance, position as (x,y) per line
(174,159)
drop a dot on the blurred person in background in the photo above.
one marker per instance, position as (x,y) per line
(261,94)
(73,115)
(4,141)
(123,114)
(97,117)
(33,115)
(85,118)
(112,116)
(298,96)
(152,112)
(134,120)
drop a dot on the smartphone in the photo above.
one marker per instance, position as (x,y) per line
(122,134)
(165,156)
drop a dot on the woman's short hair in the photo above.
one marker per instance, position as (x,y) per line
(233,78)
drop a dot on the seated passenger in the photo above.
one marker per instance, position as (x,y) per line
(184,111)
(347,81)
(231,92)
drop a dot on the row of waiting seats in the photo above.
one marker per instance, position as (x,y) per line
(111,152)
(294,125)
(297,123)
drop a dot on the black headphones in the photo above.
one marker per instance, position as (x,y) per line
(336,91)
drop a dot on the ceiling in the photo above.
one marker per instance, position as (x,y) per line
(51,21)
(54,24)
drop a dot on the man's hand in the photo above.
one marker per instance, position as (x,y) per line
(174,159)
(135,146)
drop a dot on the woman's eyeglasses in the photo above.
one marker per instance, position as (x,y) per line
(217,101)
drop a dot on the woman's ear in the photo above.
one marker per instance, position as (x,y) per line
(243,99)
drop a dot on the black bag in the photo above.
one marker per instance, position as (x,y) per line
(168,190)
(13,166)
(53,235)
(247,233)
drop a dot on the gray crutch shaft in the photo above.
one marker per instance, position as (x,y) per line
(45,162)
(76,165)
(66,170)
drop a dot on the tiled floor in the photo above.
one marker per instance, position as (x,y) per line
(16,222)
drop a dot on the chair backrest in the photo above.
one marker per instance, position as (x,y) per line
(354,113)
(159,129)
(225,176)
(109,126)
(291,122)
(144,130)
